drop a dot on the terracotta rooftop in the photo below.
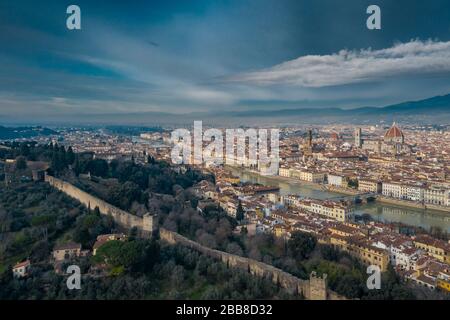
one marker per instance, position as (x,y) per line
(394,132)
(68,246)
(22,264)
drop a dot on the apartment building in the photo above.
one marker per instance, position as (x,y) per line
(436,195)
(368,185)
(284,172)
(436,248)
(360,248)
(337,180)
(412,192)
(391,189)
(331,209)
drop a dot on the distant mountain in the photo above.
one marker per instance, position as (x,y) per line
(435,110)
(435,104)
(23,132)
(438,104)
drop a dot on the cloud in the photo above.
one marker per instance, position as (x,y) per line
(349,67)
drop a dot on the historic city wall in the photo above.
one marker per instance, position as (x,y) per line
(121,217)
(315,288)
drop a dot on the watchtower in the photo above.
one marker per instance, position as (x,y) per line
(317,287)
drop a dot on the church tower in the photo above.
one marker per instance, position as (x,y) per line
(309,141)
(358,138)
(308,145)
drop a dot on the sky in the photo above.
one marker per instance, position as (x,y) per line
(222,55)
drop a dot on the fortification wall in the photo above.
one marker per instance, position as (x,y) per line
(314,288)
(121,217)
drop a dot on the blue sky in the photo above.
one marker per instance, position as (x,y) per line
(198,55)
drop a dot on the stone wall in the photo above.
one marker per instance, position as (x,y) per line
(315,288)
(122,218)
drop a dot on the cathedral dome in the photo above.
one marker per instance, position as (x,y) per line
(393,133)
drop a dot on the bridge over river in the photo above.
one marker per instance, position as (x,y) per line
(356,198)
(377,210)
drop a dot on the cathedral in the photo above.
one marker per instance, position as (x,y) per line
(393,142)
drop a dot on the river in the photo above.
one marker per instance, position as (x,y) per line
(378,211)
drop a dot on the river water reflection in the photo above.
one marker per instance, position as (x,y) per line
(379,211)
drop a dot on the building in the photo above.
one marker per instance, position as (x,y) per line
(358,137)
(404,256)
(20,270)
(436,195)
(104,238)
(436,248)
(337,180)
(443,279)
(308,175)
(392,189)
(443,284)
(358,247)
(308,145)
(284,172)
(394,134)
(312,176)
(67,251)
(369,185)
(332,210)
(393,142)
(403,190)
(412,192)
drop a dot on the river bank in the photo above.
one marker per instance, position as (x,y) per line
(383,211)
(346,191)
(316,186)
(412,204)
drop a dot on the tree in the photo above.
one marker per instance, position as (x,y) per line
(98,167)
(240,212)
(70,156)
(134,255)
(353,183)
(301,245)
(24,149)
(21,163)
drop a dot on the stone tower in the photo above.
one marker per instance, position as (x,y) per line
(317,287)
(358,138)
(150,225)
(309,141)
(307,145)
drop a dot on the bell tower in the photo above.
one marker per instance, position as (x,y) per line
(358,138)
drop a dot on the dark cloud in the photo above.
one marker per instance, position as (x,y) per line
(173,55)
